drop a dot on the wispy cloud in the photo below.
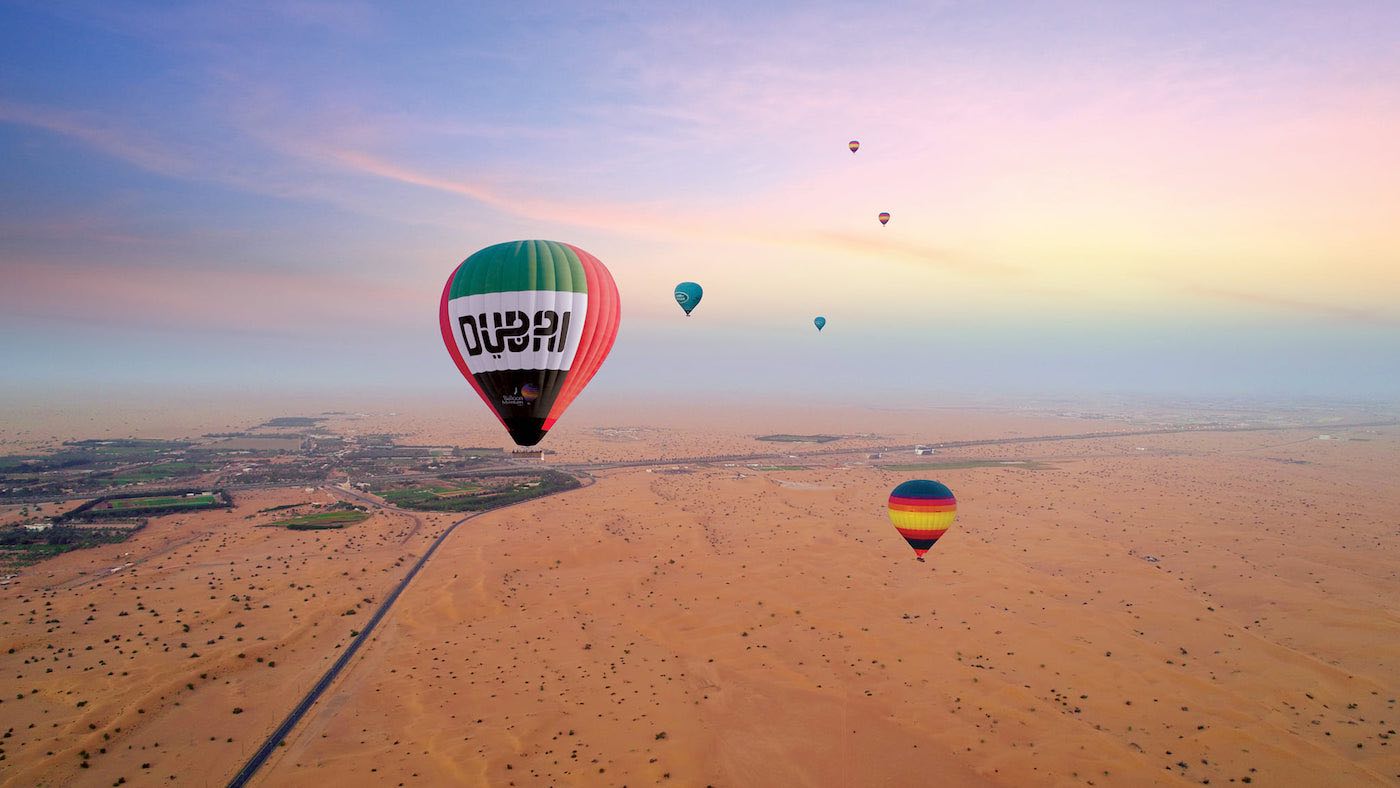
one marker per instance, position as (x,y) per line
(1297,306)
(145,153)
(203,298)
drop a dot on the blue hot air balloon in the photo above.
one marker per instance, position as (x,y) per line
(688,295)
(820,322)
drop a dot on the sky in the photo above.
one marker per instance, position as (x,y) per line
(1186,198)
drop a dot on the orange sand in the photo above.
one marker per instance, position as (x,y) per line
(770,624)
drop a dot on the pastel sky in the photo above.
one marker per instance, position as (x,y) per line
(1172,198)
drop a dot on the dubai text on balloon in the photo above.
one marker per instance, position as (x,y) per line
(528,324)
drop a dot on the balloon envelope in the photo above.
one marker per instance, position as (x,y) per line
(922,511)
(528,324)
(820,322)
(854,145)
(884,217)
(688,295)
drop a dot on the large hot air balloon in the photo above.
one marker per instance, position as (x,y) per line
(688,295)
(854,145)
(884,217)
(820,322)
(922,511)
(528,324)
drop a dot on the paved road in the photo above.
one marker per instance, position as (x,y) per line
(909,447)
(304,705)
(517,466)
(269,746)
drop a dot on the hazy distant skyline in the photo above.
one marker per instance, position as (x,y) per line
(1170,198)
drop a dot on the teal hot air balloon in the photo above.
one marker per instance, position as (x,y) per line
(688,295)
(820,322)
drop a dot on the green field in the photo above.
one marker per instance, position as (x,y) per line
(161,470)
(162,502)
(784,438)
(420,496)
(322,520)
(470,497)
(293,421)
(956,465)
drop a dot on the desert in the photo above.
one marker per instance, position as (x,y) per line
(1149,609)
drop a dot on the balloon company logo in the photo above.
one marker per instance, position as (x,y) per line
(530,392)
(681,298)
(516,398)
(514,330)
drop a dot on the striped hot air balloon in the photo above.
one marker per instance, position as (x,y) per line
(922,511)
(854,145)
(528,323)
(884,217)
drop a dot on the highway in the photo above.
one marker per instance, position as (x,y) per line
(585,467)
(282,731)
(270,745)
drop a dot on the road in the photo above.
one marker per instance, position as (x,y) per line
(517,466)
(269,746)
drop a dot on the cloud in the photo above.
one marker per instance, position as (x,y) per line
(912,251)
(201,299)
(1331,311)
(118,143)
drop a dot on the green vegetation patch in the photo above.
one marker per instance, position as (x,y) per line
(954,465)
(284,506)
(159,502)
(415,497)
(293,421)
(21,546)
(323,520)
(162,470)
(784,438)
(121,507)
(780,467)
(487,492)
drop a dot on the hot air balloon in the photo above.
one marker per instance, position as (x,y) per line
(854,145)
(528,323)
(922,511)
(688,295)
(884,217)
(820,322)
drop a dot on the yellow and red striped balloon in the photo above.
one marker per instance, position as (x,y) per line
(922,511)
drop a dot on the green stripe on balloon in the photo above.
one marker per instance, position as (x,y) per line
(497,269)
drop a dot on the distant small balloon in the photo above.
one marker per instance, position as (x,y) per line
(854,145)
(820,322)
(922,511)
(688,295)
(884,217)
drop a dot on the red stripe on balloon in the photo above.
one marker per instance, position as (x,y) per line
(449,337)
(909,533)
(601,320)
(899,499)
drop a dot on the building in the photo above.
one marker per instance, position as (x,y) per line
(923,451)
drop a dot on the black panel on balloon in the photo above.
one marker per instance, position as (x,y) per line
(523,399)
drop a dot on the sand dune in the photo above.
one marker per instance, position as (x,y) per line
(779,635)
(732,626)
